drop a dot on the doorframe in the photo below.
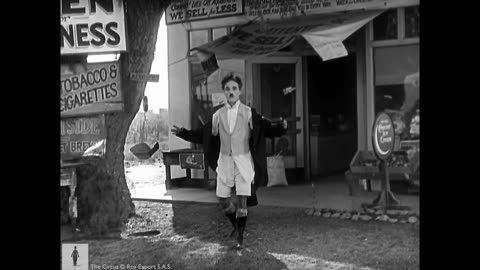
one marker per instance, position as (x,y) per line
(299,98)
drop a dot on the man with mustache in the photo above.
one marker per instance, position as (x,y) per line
(234,144)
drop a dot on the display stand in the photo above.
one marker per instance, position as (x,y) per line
(383,145)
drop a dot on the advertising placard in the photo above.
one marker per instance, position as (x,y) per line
(82,136)
(92,26)
(193,10)
(191,161)
(383,136)
(90,89)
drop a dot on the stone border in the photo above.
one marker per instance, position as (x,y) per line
(392,216)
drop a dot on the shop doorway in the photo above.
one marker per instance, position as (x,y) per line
(332,106)
(277,92)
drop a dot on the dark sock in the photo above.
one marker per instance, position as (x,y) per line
(241,222)
(233,219)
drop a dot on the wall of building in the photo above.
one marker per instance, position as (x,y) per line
(178,88)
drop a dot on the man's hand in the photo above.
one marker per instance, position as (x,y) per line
(175,130)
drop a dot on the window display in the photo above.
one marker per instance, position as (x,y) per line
(397,92)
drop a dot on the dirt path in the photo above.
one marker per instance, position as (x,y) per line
(191,236)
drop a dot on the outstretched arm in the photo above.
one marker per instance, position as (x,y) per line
(193,136)
(274,130)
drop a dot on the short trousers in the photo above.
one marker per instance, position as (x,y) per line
(242,188)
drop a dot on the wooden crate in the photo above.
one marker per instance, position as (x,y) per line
(360,156)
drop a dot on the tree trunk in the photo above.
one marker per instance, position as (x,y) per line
(104,201)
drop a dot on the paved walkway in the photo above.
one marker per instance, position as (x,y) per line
(330,192)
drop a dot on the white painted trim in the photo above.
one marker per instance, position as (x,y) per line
(361,93)
(369,97)
(395,42)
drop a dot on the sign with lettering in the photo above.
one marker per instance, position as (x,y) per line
(191,161)
(144,77)
(92,26)
(275,9)
(87,89)
(82,136)
(383,136)
(258,39)
(192,10)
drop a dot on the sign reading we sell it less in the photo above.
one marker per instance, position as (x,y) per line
(92,26)
(191,10)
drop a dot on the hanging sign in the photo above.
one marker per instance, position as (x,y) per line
(92,26)
(383,136)
(323,32)
(87,89)
(82,136)
(193,10)
(144,77)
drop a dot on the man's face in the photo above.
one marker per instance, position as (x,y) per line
(232,92)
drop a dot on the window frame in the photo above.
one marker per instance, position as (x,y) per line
(371,44)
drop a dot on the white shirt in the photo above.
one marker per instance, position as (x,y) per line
(225,169)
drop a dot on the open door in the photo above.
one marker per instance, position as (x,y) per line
(277,92)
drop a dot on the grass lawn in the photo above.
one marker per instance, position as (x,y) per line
(192,236)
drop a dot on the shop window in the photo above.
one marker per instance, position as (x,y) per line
(397,87)
(385,26)
(218,32)
(198,38)
(412,22)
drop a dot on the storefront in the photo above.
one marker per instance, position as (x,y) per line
(329,101)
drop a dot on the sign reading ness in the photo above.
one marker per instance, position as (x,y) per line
(383,136)
(92,26)
(90,88)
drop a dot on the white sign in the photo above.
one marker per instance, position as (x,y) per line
(92,26)
(331,50)
(275,9)
(192,10)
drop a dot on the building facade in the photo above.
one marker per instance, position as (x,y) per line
(330,104)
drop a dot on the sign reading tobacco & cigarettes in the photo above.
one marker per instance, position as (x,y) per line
(92,26)
(383,136)
(89,89)
(82,136)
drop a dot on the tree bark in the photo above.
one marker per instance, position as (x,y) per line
(104,201)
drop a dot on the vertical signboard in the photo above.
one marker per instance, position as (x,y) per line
(87,89)
(92,26)
(82,136)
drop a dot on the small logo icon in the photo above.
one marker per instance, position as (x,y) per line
(74,256)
